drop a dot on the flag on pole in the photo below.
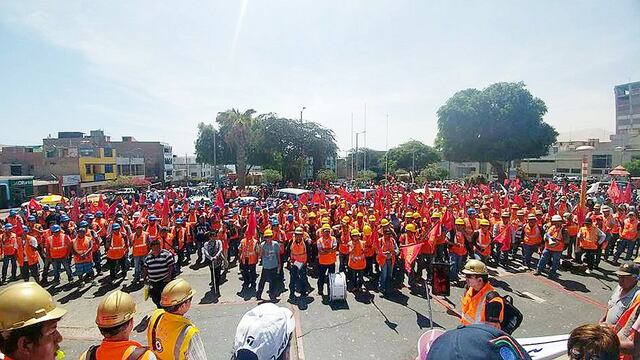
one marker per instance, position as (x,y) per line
(251,225)
(409,254)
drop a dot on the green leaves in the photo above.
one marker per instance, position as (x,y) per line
(500,123)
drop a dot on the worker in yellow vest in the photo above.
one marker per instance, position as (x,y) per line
(115,322)
(171,335)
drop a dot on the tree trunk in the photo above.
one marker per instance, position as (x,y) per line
(498,166)
(241,166)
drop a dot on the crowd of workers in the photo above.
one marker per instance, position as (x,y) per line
(380,238)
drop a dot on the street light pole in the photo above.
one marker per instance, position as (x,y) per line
(585,150)
(303,108)
(215,160)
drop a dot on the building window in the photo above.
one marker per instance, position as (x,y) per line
(108,169)
(563,170)
(596,172)
(88,169)
(576,171)
(86,152)
(601,161)
(108,152)
(52,153)
(16,170)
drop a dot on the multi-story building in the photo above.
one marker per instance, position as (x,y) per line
(158,157)
(186,167)
(82,164)
(627,97)
(21,161)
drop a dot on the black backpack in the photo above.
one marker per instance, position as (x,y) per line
(512,317)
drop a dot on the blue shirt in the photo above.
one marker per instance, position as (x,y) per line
(270,254)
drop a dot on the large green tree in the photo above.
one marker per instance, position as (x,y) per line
(413,155)
(236,128)
(500,123)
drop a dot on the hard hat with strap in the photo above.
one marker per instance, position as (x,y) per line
(176,292)
(475,267)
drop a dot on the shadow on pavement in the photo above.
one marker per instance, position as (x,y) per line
(210,297)
(77,293)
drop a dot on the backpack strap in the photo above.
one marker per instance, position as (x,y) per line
(91,353)
(154,331)
(138,353)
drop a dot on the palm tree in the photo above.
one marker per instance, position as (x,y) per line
(236,127)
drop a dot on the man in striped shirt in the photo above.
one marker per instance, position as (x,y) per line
(158,270)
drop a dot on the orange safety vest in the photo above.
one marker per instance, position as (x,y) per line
(458,246)
(9,243)
(630,230)
(59,246)
(26,250)
(572,229)
(153,231)
(369,249)
(386,246)
(167,243)
(248,255)
(81,245)
(117,350)
(473,305)
(356,256)
(484,240)
(328,258)
(555,233)
(610,225)
(532,235)
(299,252)
(345,237)
(140,247)
(588,239)
(117,248)
(180,235)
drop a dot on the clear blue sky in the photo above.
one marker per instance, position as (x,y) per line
(155,70)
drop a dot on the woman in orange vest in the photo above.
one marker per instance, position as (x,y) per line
(27,255)
(140,243)
(357,262)
(117,250)
(589,237)
(628,236)
(59,245)
(474,299)
(327,245)
(369,247)
(343,245)
(531,239)
(298,268)
(387,249)
(248,258)
(82,253)
(554,240)
(9,242)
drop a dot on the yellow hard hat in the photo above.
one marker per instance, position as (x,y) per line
(322,211)
(372,218)
(520,213)
(115,309)
(346,219)
(25,304)
(416,215)
(367,230)
(436,215)
(384,222)
(325,220)
(459,221)
(326,227)
(408,214)
(505,215)
(475,267)
(268,233)
(410,228)
(484,222)
(176,292)
(304,207)
(359,214)
(312,214)
(299,230)
(355,232)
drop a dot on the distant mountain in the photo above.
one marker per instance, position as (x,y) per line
(584,134)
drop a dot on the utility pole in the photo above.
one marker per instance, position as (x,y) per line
(186,161)
(215,160)
(364,153)
(304,107)
(386,154)
(352,155)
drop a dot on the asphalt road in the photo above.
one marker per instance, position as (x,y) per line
(365,327)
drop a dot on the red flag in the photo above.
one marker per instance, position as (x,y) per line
(496,201)
(518,200)
(412,200)
(303,198)
(75,211)
(504,238)
(614,192)
(18,227)
(317,199)
(534,197)
(435,232)
(427,191)
(580,215)
(448,220)
(165,208)
(34,204)
(438,196)
(219,199)
(505,203)
(143,199)
(346,195)
(552,208)
(626,196)
(251,226)
(410,253)
(101,205)
(485,189)
(112,209)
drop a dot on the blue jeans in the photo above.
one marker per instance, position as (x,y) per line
(555,261)
(386,273)
(56,269)
(298,280)
(528,251)
(5,266)
(622,245)
(456,263)
(137,266)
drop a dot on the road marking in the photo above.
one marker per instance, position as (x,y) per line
(299,340)
(570,293)
(535,298)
